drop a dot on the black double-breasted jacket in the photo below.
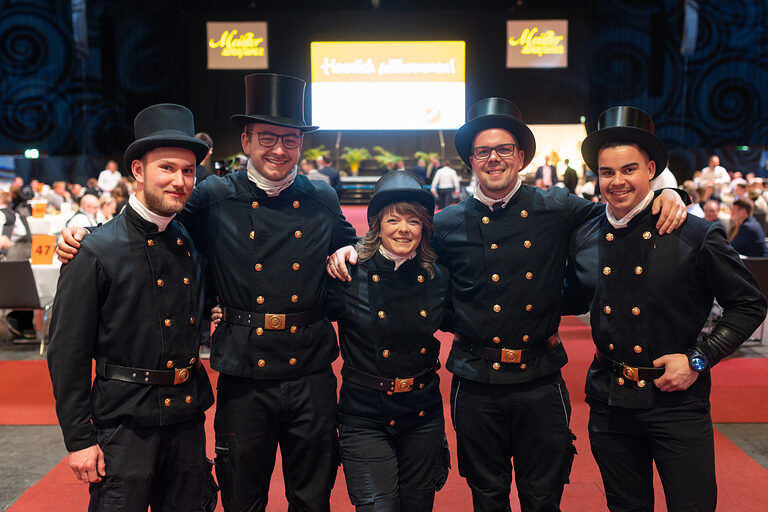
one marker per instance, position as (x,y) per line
(132,297)
(387,319)
(507,269)
(267,255)
(650,295)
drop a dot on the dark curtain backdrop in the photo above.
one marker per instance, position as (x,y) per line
(144,52)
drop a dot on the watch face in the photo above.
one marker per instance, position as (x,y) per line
(698,363)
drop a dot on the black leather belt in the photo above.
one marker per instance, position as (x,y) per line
(143,375)
(271,321)
(389,385)
(634,373)
(508,355)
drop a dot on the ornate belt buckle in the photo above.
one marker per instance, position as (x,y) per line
(403,385)
(274,321)
(181,375)
(510,356)
(629,372)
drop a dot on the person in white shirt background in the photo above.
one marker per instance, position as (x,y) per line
(109,177)
(445,185)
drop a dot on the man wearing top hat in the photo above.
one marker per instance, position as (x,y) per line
(132,302)
(648,297)
(506,250)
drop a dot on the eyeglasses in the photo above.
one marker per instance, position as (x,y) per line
(269,139)
(503,150)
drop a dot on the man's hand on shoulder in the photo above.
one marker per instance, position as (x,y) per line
(69,243)
(673,211)
(88,464)
(337,262)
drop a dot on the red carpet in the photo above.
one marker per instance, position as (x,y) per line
(742,483)
(27,395)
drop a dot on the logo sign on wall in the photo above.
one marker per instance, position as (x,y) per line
(537,44)
(237,45)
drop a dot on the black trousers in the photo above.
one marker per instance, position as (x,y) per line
(392,471)
(526,423)
(159,467)
(444,197)
(626,443)
(253,417)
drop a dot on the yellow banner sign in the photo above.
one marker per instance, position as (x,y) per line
(537,44)
(237,45)
(388,61)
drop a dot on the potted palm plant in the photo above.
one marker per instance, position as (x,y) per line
(385,157)
(313,153)
(353,157)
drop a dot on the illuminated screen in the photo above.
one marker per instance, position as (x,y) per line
(405,85)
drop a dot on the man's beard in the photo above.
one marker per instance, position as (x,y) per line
(161,205)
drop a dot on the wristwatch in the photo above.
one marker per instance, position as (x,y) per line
(697,361)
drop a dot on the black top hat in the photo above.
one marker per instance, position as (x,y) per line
(274,99)
(165,125)
(495,113)
(624,124)
(396,186)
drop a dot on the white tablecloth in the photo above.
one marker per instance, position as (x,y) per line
(46,279)
(48,225)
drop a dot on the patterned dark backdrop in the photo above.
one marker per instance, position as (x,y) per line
(143,52)
(713,98)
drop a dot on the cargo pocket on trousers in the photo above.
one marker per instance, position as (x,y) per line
(570,454)
(443,464)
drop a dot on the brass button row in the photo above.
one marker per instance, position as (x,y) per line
(640,383)
(161,282)
(179,242)
(187,399)
(292,361)
(260,299)
(607,270)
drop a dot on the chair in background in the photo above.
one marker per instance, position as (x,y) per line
(18,291)
(759,269)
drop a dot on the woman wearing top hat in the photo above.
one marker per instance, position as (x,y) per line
(391,427)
